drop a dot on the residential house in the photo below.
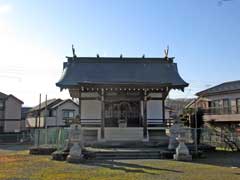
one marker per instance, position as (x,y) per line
(10,114)
(121,99)
(221,104)
(52,113)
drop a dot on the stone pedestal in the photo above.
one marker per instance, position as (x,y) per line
(182,152)
(75,138)
(75,154)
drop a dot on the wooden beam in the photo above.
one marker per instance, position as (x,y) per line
(145,114)
(102,113)
(90,98)
(154,98)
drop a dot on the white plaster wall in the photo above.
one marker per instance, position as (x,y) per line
(90,109)
(154,109)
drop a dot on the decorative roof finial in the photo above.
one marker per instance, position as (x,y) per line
(121,56)
(143,56)
(166,52)
(73,51)
(98,56)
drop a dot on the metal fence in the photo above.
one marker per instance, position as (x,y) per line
(57,137)
(20,137)
(224,139)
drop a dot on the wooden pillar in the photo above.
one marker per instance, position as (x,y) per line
(79,106)
(164,96)
(145,115)
(163,110)
(102,114)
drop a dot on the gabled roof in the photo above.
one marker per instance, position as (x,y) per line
(120,71)
(5,96)
(50,103)
(62,102)
(226,87)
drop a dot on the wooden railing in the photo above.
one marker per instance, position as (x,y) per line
(150,122)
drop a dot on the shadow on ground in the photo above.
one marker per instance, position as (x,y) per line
(220,158)
(13,147)
(128,167)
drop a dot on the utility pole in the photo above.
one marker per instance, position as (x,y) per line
(195,130)
(45,121)
(39,119)
(45,112)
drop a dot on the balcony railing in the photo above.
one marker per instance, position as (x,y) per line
(222,110)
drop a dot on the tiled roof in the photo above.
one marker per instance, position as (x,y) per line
(221,88)
(119,71)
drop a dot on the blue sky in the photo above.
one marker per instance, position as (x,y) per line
(203,36)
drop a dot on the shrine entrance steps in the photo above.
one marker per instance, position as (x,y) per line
(127,153)
(128,144)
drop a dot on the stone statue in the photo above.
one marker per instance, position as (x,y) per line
(76,139)
(182,152)
(177,141)
(174,131)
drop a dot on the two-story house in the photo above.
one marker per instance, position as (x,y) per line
(52,113)
(10,114)
(221,104)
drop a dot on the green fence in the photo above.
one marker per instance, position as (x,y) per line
(55,137)
(20,137)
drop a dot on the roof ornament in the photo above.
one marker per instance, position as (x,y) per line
(166,51)
(73,51)
(121,56)
(98,56)
(143,56)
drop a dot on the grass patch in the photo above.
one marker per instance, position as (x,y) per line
(24,166)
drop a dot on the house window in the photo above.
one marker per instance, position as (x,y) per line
(238,105)
(216,107)
(68,114)
(226,106)
(1,104)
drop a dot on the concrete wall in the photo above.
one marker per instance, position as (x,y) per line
(124,134)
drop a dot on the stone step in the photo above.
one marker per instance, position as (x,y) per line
(130,154)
